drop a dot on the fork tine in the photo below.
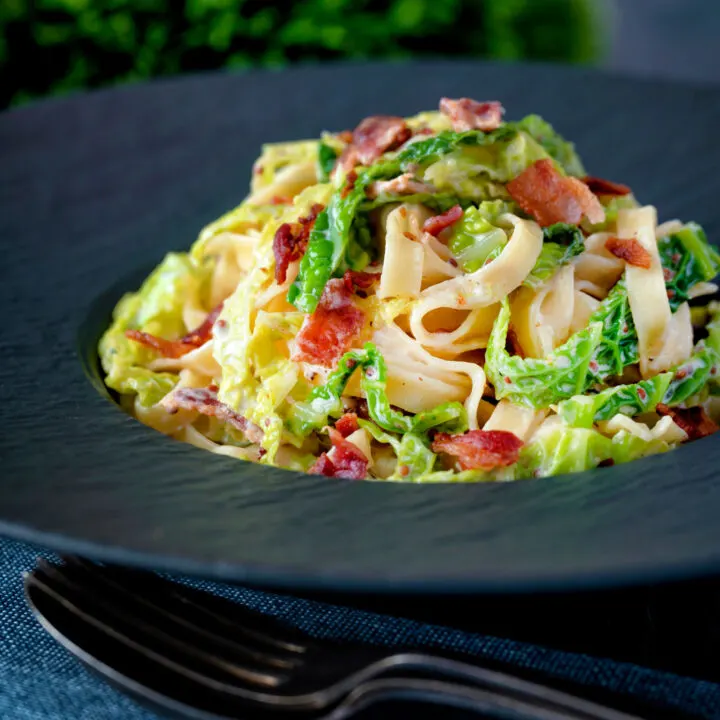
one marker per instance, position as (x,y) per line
(133,629)
(158,600)
(199,607)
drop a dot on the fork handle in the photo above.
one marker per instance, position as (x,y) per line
(475,677)
(488,703)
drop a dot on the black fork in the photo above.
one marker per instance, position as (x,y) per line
(190,650)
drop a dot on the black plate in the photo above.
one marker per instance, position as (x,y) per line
(95,189)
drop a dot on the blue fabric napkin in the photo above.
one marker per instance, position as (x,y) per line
(39,680)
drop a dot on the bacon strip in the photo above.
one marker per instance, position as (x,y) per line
(374,136)
(435,225)
(356,280)
(330,330)
(694,421)
(630,250)
(345,460)
(467,114)
(480,449)
(347,424)
(177,348)
(541,191)
(290,242)
(377,134)
(205,401)
(605,187)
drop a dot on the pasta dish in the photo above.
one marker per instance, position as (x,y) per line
(448,297)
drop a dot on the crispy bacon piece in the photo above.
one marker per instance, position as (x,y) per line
(541,191)
(435,225)
(350,181)
(347,424)
(177,348)
(605,187)
(630,250)
(205,401)
(290,242)
(345,460)
(404,184)
(370,139)
(378,134)
(329,331)
(694,421)
(480,449)
(356,280)
(466,114)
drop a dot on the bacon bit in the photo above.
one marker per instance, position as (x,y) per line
(541,191)
(693,420)
(345,136)
(323,466)
(507,380)
(435,225)
(608,462)
(347,424)
(403,212)
(404,470)
(630,250)
(480,449)
(205,401)
(466,114)
(514,343)
(642,394)
(453,262)
(213,388)
(681,374)
(281,200)
(330,330)
(605,187)
(424,131)
(404,184)
(350,181)
(290,242)
(378,134)
(593,365)
(668,274)
(409,235)
(258,170)
(671,294)
(177,348)
(202,333)
(347,460)
(355,279)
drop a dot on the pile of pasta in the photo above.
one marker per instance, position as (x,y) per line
(447,297)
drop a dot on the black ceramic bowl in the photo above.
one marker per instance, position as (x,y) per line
(95,189)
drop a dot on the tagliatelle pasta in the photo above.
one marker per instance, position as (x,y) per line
(447,297)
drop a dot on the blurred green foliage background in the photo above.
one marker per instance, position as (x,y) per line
(55,46)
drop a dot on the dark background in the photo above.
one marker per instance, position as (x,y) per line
(59,46)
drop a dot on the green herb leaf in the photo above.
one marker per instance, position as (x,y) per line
(687,259)
(325,161)
(631,400)
(537,382)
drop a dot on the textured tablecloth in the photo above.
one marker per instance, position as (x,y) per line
(39,680)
